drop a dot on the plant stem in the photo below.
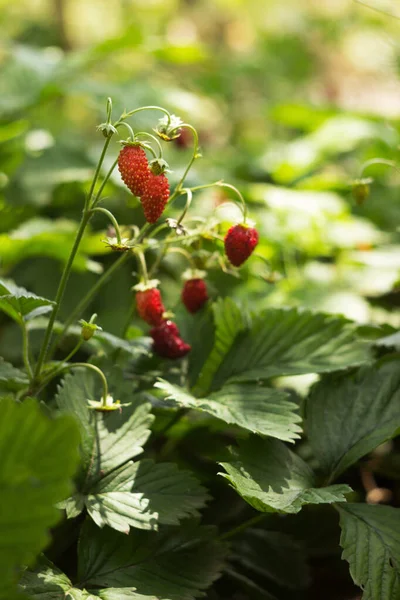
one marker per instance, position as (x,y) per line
(245,525)
(60,293)
(103,183)
(142,262)
(25,350)
(193,158)
(96,175)
(84,366)
(112,219)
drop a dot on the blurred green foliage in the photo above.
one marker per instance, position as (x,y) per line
(290,99)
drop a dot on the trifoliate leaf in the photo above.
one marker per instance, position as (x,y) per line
(348,415)
(259,409)
(143,495)
(371,544)
(272,478)
(39,457)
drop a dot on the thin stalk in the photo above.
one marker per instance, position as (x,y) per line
(97,172)
(245,525)
(84,366)
(143,266)
(189,197)
(185,254)
(60,293)
(191,161)
(53,373)
(25,350)
(112,219)
(153,137)
(90,295)
(379,161)
(103,183)
(234,189)
(136,110)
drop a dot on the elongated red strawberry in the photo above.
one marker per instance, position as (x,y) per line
(240,242)
(134,168)
(167,341)
(150,306)
(194,294)
(155,196)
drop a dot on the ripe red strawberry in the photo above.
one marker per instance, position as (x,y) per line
(150,306)
(155,196)
(134,168)
(194,294)
(240,242)
(167,341)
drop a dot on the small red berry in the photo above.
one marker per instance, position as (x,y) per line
(134,168)
(155,196)
(240,242)
(167,341)
(194,294)
(150,306)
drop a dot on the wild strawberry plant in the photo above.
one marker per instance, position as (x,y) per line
(170,462)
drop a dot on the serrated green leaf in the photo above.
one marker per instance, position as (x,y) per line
(371,545)
(20,304)
(272,478)
(229,321)
(261,410)
(170,565)
(291,342)
(348,415)
(39,457)
(108,439)
(10,377)
(46,582)
(144,495)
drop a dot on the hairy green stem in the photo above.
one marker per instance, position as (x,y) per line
(60,293)
(25,350)
(103,183)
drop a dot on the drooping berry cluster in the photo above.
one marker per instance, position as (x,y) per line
(144,180)
(167,341)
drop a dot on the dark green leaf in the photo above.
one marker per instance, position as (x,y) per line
(291,342)
(272,478)
(170,565)
(371,544)
(143,495)
(348,415)
(229,321)
(39,457)
(260,409)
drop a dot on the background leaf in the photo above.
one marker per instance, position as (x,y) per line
(271,477)
(371,544)
(363,411)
